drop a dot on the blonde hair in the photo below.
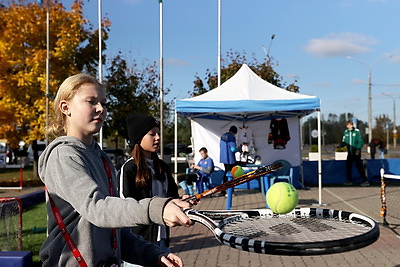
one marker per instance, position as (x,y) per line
(67,91)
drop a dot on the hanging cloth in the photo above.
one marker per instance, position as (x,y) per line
(279,134)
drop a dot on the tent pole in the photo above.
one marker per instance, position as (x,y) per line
(301,150)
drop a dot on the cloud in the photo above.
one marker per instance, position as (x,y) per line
(357,81)
(133,1)
(176,62)
(291,76)
(339,45)
(319,85)
(396,56)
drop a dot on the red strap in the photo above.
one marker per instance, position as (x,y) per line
(65,233)
(110,184)
(64,230)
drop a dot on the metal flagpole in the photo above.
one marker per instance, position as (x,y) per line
(219,42)
(161,84)
(100,64)
(176,145)
(319,158)
(47,67)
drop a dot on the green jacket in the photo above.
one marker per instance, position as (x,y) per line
(353,140)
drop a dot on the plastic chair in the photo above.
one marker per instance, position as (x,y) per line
(285,173)
(216,177)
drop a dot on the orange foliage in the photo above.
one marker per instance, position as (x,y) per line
(23,61)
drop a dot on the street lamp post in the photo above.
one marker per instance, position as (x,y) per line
(270,43)
(369,67)
(267,58)
(394,119)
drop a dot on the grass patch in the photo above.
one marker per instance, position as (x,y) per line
(11,177)
(34,223)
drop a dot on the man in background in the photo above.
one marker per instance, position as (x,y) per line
(353,140)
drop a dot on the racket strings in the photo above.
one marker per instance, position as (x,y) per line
(285,229)
(294,230)
(314,225)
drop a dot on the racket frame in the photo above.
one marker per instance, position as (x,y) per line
(207,218)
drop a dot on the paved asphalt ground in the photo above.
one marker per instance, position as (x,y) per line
(198,247)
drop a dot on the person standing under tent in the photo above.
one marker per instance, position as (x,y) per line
(228,148)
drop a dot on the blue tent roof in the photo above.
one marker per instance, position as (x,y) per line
(247,97)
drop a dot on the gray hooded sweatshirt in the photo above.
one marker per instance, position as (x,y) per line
(75,177)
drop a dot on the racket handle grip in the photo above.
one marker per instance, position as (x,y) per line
(191,198)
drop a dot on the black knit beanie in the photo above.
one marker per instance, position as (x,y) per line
(139,125)
(233,129)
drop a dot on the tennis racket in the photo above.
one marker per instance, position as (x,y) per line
(304,231)
(238,180)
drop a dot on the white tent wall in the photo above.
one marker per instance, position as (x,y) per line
(206,133)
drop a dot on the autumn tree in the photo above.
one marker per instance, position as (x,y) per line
(231,64)
(380,131)
(130,90)
(73,49)
(184,130)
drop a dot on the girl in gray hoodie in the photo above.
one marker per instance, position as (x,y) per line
(81,184)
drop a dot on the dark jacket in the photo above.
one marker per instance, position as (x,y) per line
(227,148)
(128,188)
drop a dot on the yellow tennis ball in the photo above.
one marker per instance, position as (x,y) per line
(237,171)
(282,198)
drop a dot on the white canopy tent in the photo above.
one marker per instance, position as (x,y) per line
(246,100)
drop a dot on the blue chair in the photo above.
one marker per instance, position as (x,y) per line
(216,177)
(283,174)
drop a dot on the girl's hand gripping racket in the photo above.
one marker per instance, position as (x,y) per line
(304,231)
(238,180)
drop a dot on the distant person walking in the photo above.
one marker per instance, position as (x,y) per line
(377,144)
(353,140)
(372,147)
(381,149)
